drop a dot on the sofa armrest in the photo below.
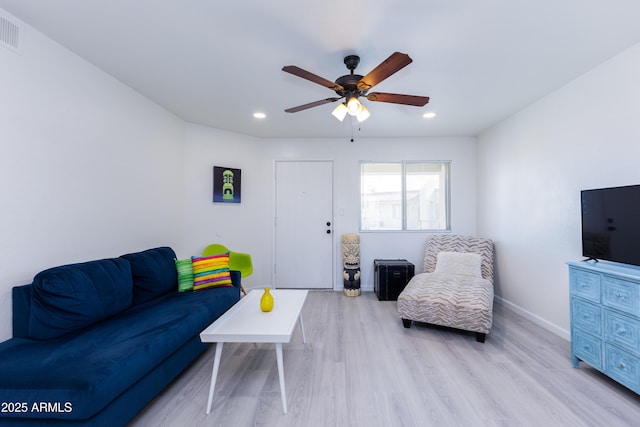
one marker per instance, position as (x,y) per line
(236,278)
(21,296)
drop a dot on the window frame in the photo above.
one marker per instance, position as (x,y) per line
(403,171)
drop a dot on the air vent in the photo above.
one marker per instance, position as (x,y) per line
(9,34)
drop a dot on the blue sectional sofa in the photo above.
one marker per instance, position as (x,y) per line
(95,342)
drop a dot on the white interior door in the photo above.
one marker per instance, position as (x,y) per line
(304,225)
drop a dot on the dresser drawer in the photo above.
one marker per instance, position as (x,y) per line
(585,284)
(586,316)
(586,347)
(622,330)
(622,366)
(621,294)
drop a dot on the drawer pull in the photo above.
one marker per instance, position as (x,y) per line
(621,331)
(621,296)
(621,365)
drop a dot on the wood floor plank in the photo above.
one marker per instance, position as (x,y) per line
(361,367)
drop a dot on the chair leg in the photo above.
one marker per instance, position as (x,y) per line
(406,323)
(480,337)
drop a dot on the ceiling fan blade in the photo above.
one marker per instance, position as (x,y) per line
(299,72)
(389,66)
(395,98)
(310,105)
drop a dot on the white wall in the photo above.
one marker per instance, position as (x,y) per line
(248,227)
(242,227)
(531,168)
(88,167)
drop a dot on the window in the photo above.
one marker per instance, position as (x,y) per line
(411,196)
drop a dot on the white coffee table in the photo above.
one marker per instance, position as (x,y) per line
(245,322)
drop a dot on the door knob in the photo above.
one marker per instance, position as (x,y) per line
(328,223)
(328,231)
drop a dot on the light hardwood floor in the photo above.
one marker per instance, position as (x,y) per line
(361,367)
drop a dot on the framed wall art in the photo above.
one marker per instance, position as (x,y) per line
(226,185)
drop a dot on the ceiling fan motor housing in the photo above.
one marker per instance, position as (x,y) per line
(350,81)
(350,85)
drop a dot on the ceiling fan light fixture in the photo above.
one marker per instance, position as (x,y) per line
(363,115)
(354,106)
(340,112)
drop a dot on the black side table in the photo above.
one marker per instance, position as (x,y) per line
(390,277)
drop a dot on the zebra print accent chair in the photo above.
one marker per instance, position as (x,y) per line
(459,297)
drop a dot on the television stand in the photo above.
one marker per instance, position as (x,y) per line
(605,319)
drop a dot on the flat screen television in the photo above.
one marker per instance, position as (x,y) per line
(611,224)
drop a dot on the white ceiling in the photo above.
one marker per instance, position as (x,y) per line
(217,62)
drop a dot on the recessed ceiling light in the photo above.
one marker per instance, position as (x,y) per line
(259,115)
(429,115)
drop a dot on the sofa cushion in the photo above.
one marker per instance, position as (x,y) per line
(460,263)
(452,300)
(154,273)
(86,370)
(211,271)
(184,268)
(71,297)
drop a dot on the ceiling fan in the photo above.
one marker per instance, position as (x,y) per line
(352,86)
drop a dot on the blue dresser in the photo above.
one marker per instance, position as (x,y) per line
(605,319)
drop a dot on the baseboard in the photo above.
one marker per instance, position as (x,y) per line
(554,329)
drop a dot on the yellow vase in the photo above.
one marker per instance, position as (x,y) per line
(266,302)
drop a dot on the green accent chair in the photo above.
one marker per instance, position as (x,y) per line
(237,260)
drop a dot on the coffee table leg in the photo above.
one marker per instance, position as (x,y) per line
(214,375)
(304,339)
(283,393)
